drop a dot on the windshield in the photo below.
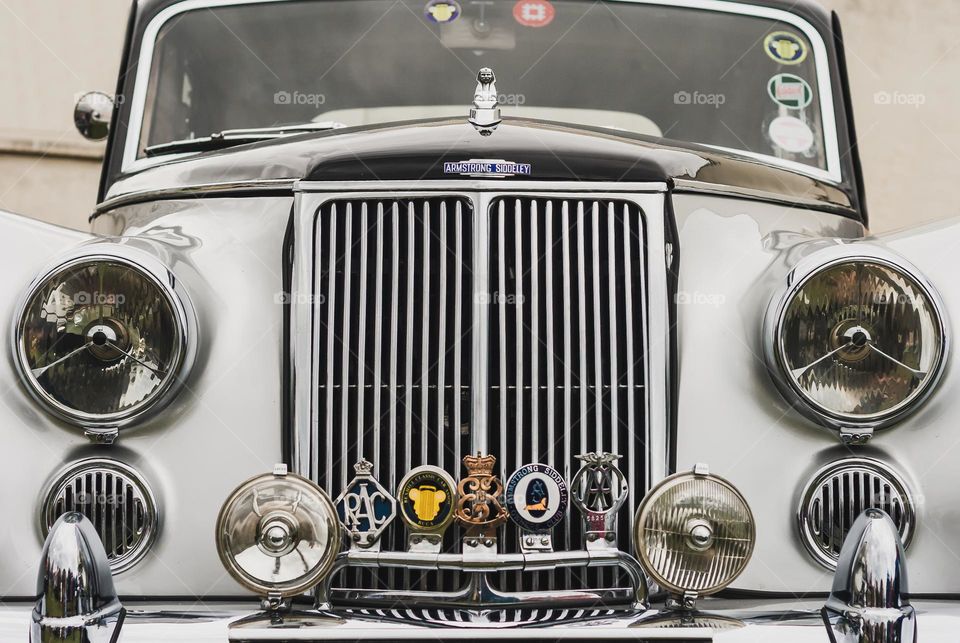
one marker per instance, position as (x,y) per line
(735,81)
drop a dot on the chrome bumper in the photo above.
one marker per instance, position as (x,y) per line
(725,621)
(868,604)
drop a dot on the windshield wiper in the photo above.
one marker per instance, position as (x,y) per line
(231,137)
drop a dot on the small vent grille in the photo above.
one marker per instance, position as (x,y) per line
(115,498)
(839,493)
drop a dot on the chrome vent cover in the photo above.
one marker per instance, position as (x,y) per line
(115,498)
(839,493)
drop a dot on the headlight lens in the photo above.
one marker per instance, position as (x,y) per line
(694,532)
(278,533)
(101,338)
(860,340)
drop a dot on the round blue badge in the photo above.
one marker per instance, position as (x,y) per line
(536,497)
(786,48)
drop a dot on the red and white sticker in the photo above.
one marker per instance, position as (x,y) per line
(791,135)
(534,13)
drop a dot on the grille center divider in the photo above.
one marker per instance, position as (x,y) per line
(548,293)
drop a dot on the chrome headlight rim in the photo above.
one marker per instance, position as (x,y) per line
(643,511)
(159,275)
(306,582)
(808,268)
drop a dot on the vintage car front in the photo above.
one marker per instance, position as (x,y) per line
(530,320)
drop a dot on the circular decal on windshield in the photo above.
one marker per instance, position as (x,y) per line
(791,134)
(442,11)
(785,47)
(536,497)
(790,91)
(534,13)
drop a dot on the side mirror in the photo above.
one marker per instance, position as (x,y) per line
(92,115)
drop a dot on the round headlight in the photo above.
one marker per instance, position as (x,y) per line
(102,337)
(278,534)
(860,340)
(694,533)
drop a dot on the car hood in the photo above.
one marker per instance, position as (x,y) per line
(417,151)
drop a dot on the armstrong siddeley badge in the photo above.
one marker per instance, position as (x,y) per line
(479,506)
(599,490)
(365,507)
(536,497)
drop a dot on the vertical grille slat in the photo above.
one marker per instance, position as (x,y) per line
(547,292)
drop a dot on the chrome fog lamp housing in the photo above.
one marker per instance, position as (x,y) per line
(694,534)
(856,339)
(278,534)
(104,336)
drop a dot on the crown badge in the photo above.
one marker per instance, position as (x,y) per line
(479,505)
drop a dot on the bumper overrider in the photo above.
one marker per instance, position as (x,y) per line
(280,535)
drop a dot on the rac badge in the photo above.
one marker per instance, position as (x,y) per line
(365,507)
(480,492)
(536,497)
(427,496)
(599,489)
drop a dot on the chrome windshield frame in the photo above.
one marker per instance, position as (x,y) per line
(833,172)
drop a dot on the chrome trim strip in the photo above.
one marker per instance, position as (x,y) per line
(362,323)
(597,336)
(687,186)
(567,362)
(614,325)
(631,381)
(502,290)
(551,376)
(394,340)
(581,307)
(378,336)
(411,294)
(442,337)
(481,323)
(200,189)
(425,341)
(345,336)
(458,332)
(145,62)
(535,260)
(518,254)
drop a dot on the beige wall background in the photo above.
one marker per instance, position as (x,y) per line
(903,57)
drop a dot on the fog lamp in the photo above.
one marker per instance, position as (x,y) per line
(694,533)
(278,534)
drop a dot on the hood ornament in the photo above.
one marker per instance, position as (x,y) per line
(485,113)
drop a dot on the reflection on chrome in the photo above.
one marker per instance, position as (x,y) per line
(870,599)
(76,599)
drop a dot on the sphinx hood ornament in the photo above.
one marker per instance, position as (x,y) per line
(485,113)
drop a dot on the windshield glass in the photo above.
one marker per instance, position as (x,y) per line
(722,79)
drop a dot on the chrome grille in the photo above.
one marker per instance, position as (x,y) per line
(565,377)
(840,492)
(398,283)
(117,501)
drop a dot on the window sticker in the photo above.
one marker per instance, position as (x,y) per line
(790,91)
(791,135)
(533,13)
(442,11)
(785,48)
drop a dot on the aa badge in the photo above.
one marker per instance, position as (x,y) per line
(427,496)
(479,506)
(599,489)
(365,507)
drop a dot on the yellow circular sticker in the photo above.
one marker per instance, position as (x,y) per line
(785,48)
